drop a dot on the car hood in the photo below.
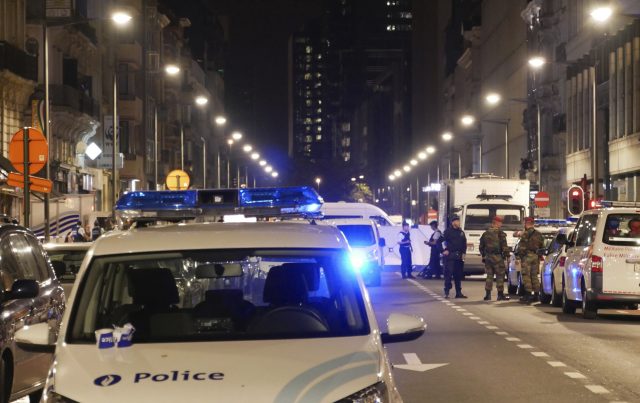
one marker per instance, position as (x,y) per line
(299,370)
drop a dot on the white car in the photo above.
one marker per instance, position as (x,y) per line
(263,311)
(552,269)
(602,269)
(367,246)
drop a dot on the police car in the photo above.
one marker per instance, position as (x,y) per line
(213,311)
(602,268)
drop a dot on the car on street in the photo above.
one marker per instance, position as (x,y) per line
(366,245)
(551,271)
(67,257)
(514,278)
(31,295)
(244,311)
(602,269)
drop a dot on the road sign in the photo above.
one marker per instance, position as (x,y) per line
(38,150)
(35,184)
(542,212)
(177,180)
(542,199)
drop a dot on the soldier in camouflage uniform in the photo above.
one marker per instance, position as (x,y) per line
(530,241)
(494,250)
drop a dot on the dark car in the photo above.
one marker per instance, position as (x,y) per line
(67,258)
(30,294)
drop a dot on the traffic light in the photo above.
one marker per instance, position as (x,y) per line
(575,200)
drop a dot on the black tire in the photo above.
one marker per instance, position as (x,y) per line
(556,298)
(544,297)
(568,306)
(5,381)
(589,308)
(34,397)
(512,289)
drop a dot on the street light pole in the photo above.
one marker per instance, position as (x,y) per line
(594,138)
(539,135)
(204,163)
(47,172)
(155,148)
(114,159)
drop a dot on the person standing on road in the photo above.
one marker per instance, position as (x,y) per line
(455,249)
(404,241)
(435,243)
(531,241)
(494,250)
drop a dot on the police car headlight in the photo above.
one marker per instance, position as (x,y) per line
(376,393)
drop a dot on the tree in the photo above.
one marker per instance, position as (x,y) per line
(361,193)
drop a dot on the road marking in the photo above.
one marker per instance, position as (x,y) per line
(474,317)
(575,375)
(525,346)
(556,364)
(597,389)
(502,333)
(512,339)
(492,327)
(539,354)
(414,363)
(484,322)
(467,314)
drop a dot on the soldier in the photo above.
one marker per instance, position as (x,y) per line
(494,251)
(530,242)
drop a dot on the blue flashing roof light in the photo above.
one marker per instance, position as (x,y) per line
(302,199)
(153,200)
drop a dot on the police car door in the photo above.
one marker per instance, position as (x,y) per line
(578,255)
(620,256)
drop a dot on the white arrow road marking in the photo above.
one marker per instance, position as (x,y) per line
(414,363)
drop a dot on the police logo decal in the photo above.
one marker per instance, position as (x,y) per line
(107,380)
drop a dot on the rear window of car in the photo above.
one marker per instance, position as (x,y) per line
(622,229)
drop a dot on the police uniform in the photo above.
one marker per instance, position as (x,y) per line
(435,242)
(494,250)
(530,241)
(404,240)
(455,247)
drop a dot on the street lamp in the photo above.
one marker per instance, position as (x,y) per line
(201,100)
(274,174)
(406,168)
(467,120)
(430,150)
(247,148)
(121,17)
(397,173)
(268,169)
(392,177)
(220,120)
(236,135)
(537,62)
(601,14)
(361,177)
(172,69)
(422,155)
(493,98)
(255,156)
(318,181)
(262,163)
(413,162)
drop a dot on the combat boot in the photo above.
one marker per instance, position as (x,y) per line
(502,297)
(526,298)
(487,295)
(446,293)
(534,297)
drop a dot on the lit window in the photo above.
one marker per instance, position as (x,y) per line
(307,76)
(307,102)
(318,75)
(319,110)
(307,121)
(318,128)
(319,137)
(307,139)
(308,49)
(319,102)
(319,57)
(319,120)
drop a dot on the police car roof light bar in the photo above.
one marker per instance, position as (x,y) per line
(613,203)
(485,196)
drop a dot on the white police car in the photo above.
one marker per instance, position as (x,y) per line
(602,268)
(246,312)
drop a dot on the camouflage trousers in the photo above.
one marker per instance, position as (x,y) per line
(494,265)
(530,267)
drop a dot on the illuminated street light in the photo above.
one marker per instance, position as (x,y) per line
(413,162)
(392,177)
(467,120)
(537,61)
(201,100)
(353,179)
(447,136)
(601,14)
(247,148)
(406,168)
(493,98)
(262,163)
(255,156)
(397,173)
(361,176)
(422,155)
(430,150)
(268,169)
(121,17)
(172,69)
(274,174)
(230,142)
(221,120)
(236,135)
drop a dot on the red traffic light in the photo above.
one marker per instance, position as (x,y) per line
(575,200)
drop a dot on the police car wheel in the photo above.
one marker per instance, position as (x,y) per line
(5,381)
(556,298)
(589,309)
(544,297)
(567,305)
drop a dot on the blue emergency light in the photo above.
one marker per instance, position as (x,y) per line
(552,222)
(184,204)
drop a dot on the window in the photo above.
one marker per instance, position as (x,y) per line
(586,230)
(24,254)
(480,216)
(622,229)
(220,295)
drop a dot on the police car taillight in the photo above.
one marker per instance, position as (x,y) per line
(562,260)
(596,264)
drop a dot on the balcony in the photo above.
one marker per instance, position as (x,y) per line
(18,62)
(130,53)
(64,95)
(130,108)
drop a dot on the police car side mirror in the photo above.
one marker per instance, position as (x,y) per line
(382,242)
(401,327)
(37,338)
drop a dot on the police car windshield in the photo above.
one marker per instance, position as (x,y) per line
(213,295)
(622,230)
(72,260)
(480,216)
(358,235)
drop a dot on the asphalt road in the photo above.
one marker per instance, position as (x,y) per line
(506,351)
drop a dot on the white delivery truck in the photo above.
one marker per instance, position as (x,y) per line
(476,200)
(388,230)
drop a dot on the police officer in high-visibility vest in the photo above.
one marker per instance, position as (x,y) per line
(404,242)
